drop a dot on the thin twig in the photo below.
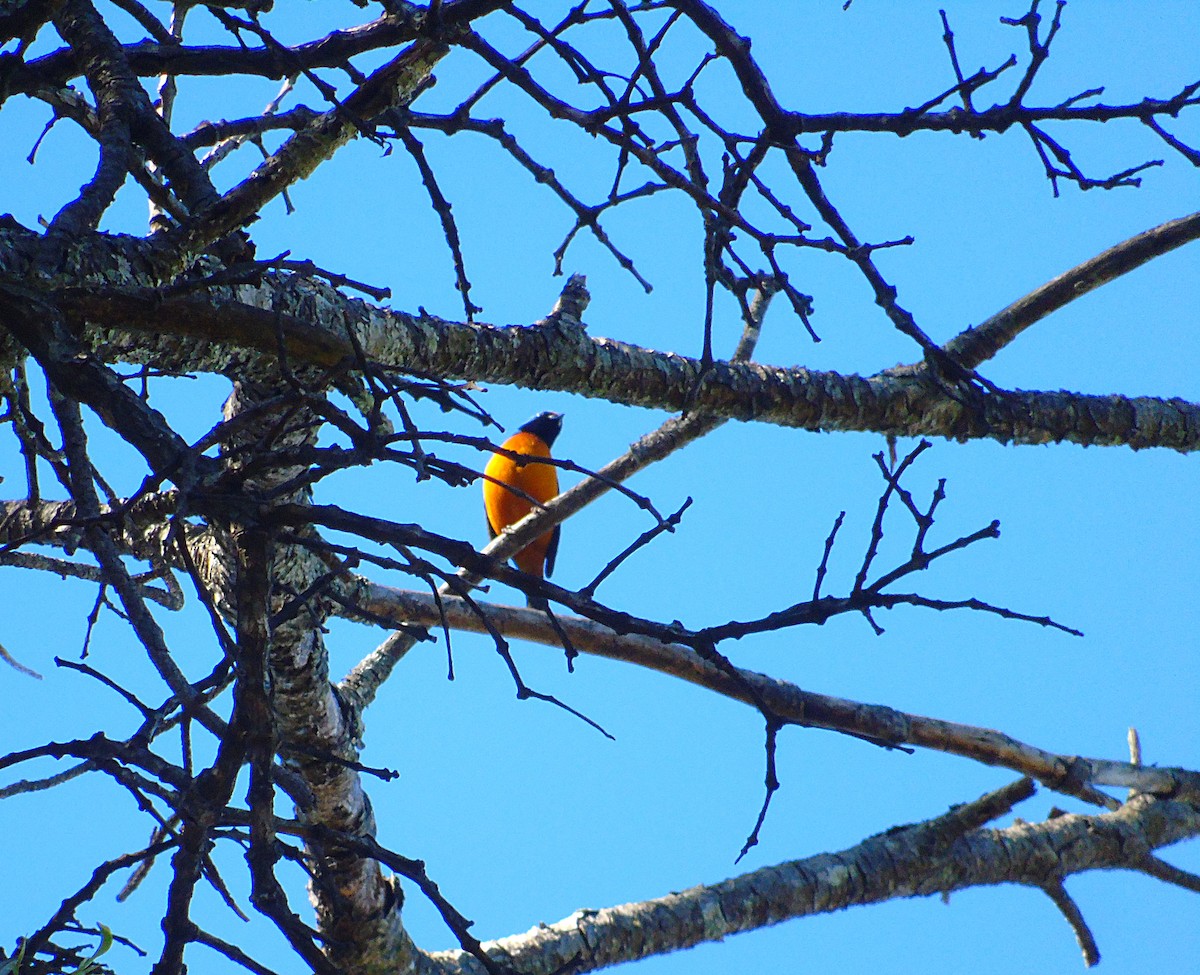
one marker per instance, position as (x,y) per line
(1070,910)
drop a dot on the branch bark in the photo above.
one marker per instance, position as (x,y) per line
(928,858)
(311,321)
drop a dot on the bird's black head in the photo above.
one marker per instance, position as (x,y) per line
(544,425)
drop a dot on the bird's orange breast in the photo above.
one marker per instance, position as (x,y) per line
(505,507)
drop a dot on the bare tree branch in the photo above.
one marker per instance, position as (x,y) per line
(1070,774)
(977,345)
(898,862)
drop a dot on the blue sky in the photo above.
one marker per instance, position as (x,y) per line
(524,814)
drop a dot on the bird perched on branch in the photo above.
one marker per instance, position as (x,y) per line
(510,485)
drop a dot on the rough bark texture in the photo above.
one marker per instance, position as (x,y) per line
(220,334)
(912,861)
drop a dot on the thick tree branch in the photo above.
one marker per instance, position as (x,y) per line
(566,359)
(934,857)
(357,906)
(561,356)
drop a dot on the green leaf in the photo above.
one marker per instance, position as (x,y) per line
(106,940)
(11,966)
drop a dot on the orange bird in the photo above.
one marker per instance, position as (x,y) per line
(509,485)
